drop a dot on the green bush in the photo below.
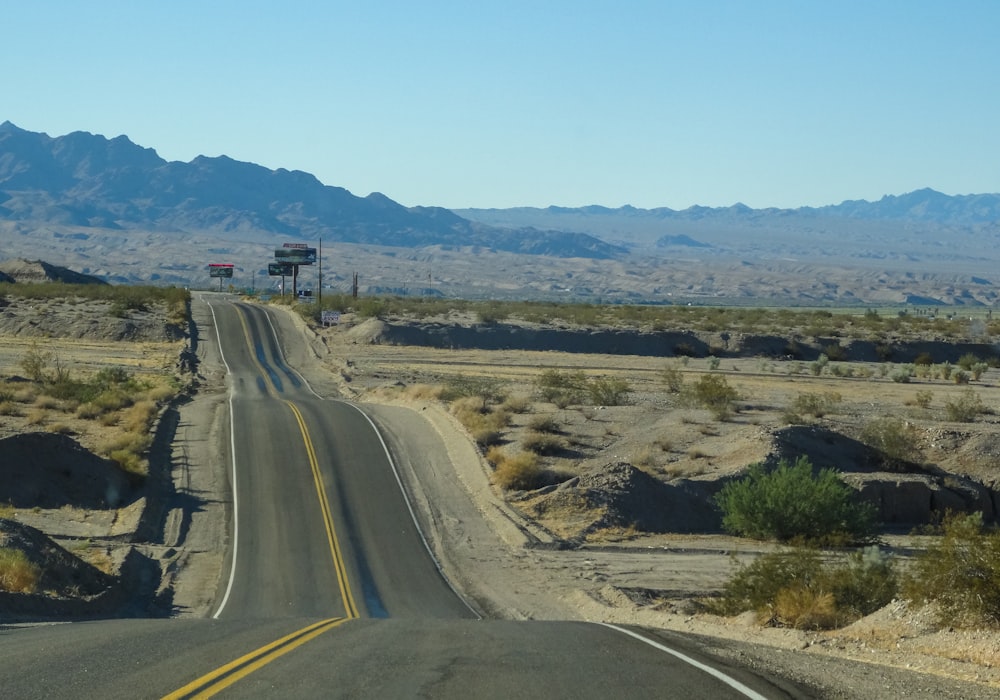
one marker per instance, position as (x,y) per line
(967,360)
(608,391)
(713,392)
(960,573)
(487,389)
(674,380)
(790,502)
(894,440)
(797,588)
(815,404)
(965,408)
(562,388)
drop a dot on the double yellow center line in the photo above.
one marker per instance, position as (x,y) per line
(224,676)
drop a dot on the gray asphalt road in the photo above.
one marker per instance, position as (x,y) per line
(332,592)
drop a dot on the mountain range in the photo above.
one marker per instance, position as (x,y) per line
(89,181)
(117,210)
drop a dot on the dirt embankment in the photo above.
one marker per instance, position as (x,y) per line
(609,341)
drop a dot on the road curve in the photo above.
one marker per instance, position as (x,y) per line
(330,591)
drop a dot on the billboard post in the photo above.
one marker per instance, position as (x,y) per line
(220,270)
(294,254)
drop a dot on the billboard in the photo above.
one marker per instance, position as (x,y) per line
(280,269)
(295,256)
(220,270)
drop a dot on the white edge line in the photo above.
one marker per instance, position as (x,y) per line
(392,464)
(728,680)
(232,448)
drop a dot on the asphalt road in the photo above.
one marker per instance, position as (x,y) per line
(330,590)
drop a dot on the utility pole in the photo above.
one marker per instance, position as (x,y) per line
(319,298)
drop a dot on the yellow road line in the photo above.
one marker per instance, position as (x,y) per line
(331,533)
(271,388)
(224,676)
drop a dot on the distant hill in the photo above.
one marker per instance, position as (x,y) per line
(894,225)
(83,180)
(29,271)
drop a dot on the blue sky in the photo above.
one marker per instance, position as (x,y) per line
(500,104)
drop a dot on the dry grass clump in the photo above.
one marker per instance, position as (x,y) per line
(519,471)
(517,404)
(36,416)
(138,417)
(26,394)
(543,443)
(88,411)
(484,423)
(423,392)
(544,424)
(127,450)
(61,428)
(46,402)
(17,573)
(9,408)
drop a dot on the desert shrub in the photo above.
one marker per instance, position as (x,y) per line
(713,392)
(978,368)
(924,359)
(9,408)
(967,360)
(543,443)
(371,307)
(520,471)
(673,378)
(866,582)
(817,366)
(36,363)
(815,404)
(138,417)
(923,398)
(561,388)
(791,502)
(960,376)
(797,589)
(960,573)
(608,391)
(517,404)
(486,389)
(901,374)
(492,313)
(112,400)
(965,408)
(544,424)
(18,574)
(484,425)
(944,370)
(36,416)
(836,352)
(893,438)
(713,362)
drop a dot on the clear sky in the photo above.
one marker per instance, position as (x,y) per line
(531,103)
